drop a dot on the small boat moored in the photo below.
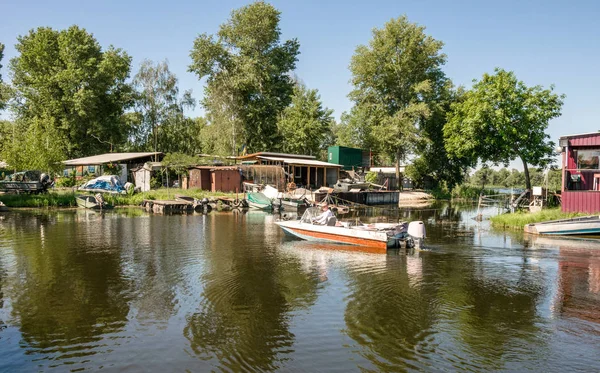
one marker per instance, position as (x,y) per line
(259,201)
(92,202)
(3,207)
(574,226)
(381,235)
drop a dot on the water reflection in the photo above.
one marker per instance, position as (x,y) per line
(243,318)
(82,290)
(65,293)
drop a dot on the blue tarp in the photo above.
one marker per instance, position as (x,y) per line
(104,183)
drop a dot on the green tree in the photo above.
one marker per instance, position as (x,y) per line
(248,76)
(393,77)
(501,119)
(433,161)
(162,124)
(516,179)
(354,129)
(65,80)
(305,124)
(501,176)
(4,94)
(483,176)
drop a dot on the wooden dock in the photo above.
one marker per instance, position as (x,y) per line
(165,207)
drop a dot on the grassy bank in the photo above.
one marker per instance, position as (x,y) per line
(66,197)
(518,220)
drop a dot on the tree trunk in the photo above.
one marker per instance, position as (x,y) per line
(398,171)
(526,170)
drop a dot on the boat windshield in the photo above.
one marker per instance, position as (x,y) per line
(309,214)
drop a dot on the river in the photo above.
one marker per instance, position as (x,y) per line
(128,291)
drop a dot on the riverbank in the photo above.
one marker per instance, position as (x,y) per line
(66,197)
(518,220)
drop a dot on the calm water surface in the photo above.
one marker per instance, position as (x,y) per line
(84,291)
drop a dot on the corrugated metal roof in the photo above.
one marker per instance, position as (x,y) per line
(300,161)
(107,158)
(279,155)
(581,134)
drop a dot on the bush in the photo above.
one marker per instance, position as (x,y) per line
(371,177)
(67,181)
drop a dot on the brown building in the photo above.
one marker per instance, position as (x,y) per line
(215,179)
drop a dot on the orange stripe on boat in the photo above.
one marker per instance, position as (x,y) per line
(340,238)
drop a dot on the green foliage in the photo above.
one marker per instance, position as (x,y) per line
(50,199)
(518,220)
(371,177)
(160,124)
(32,146)
(305,124)
(469,192)
(394,78)
(67,182)
(248,82)
(502,119)
(433,163)
(65,80)
(179,162)
(4,89)
(111,169)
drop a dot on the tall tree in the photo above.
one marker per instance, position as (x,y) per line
(248,81)
(432,161)
(65,84)
(305,124)
(3,87)
(159,108)
(393,76)
(501,119)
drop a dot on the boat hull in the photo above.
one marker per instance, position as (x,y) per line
(577,226)
(90,203)
(259,206)
(341,235)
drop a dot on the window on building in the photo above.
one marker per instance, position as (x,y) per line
(588,159)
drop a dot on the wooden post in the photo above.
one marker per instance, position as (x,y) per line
(308,177)
(324,176)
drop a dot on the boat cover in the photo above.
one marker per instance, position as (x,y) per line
(108,183)
(259,198)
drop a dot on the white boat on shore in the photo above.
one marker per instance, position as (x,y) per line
(380,235)
(589,225)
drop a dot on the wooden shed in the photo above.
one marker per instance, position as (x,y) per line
(215,179)
(581,173)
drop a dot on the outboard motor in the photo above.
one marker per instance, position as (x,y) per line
(45,181)
(416,230)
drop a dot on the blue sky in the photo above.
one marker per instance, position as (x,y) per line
(543,42)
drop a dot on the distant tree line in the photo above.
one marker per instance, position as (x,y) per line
(505,178)
(70,97)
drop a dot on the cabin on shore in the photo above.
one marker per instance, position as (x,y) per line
(95,164)
(580,190)
(304,170)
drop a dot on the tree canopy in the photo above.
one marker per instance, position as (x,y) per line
(160,124)
(394,77)
(3,88)
(248,82)
(70,94)
(501,119)
(305,124)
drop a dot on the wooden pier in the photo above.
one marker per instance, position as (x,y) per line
(165,207)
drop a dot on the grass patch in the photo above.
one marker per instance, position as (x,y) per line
(66,197)
(518,220)
(50,199)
